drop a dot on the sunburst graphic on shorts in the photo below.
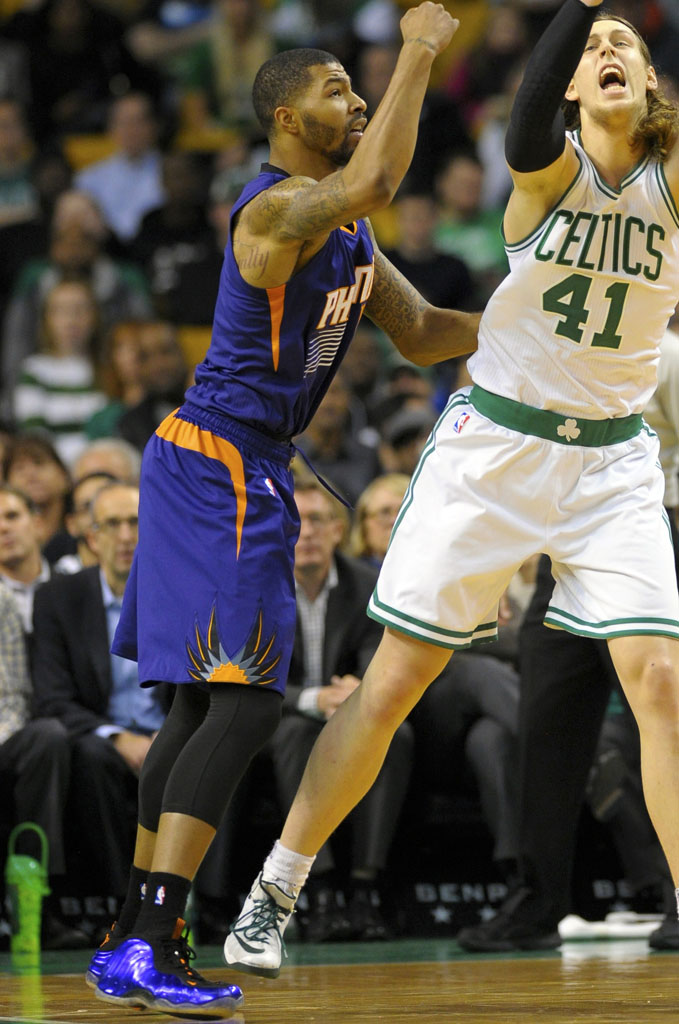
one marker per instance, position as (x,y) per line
(250,666)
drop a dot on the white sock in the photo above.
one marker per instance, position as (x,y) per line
(289,869)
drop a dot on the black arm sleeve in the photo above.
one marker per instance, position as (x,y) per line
(535,136)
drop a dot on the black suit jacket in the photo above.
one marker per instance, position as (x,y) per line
(71,663)
(351,637)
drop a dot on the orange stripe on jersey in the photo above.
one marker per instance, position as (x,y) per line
(188,435)
(276,298)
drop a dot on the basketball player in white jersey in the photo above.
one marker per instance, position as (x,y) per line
(546,453)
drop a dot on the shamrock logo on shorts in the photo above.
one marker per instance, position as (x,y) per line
(570,430)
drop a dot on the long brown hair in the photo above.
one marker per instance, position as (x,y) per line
(657,130)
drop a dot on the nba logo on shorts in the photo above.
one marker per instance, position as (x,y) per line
(270,487)
(160,895)
(460,422)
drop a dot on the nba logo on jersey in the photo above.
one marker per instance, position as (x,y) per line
(160,895)
(270,487)
(463,418)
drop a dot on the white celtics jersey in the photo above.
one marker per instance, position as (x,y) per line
(576,325)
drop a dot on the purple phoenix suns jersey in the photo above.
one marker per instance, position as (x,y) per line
(274,351)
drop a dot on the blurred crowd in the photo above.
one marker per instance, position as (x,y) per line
(126,134)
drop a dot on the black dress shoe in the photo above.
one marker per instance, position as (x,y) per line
(326,920)
(666,936)
(518,925)
(365,915)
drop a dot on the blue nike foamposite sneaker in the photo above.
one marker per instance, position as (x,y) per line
(157,974)
(100,960)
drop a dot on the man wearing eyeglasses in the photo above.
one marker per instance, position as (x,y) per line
(110,719)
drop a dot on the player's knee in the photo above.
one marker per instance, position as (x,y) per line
(657,691)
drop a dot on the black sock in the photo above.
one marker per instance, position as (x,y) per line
(133,900)
(164,902)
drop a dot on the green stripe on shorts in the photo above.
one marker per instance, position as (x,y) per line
(451,639)
(611,628)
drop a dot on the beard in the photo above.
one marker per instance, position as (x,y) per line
(323,139)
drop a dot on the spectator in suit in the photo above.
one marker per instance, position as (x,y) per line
(35,766)
(110,719)
(79,520)
(334,642)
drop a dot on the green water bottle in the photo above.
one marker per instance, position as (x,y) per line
(26,880)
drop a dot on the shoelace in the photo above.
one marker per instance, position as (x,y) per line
(181,954)
(265,915)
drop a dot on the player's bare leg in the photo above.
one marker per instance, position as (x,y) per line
(343,765)
(648,668)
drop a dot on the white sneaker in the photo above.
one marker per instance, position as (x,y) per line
(255,943)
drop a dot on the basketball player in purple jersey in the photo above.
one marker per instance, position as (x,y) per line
(210,604)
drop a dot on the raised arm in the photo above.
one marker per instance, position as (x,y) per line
(423,333)
(301,211)
(541,164)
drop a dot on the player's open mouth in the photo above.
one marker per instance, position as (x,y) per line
(612,78)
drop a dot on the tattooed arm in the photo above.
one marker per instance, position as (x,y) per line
(423,333)
(283,227)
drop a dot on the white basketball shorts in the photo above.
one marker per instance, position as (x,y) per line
(485,496)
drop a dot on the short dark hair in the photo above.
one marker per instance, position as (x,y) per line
(281,78)
(21,495)
(33,445)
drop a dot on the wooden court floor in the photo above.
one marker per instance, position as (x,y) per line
(430,982)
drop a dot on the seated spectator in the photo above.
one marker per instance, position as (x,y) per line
(77,58)
(328,442)
(55,390)
(79,520)
(375,515)
(78,248)
(403,437)
(363,370)
(441,278)
(177,231)
(482,73)
(162,30)
(111,456)
(32,464)
(18,196)
(28,239)
(217,85)
(35,766)
(335,640)
(465,228)
(22,565)
(119,377)
(110,719)
(441,128)
(191,298)
(164,378)
(129,183)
